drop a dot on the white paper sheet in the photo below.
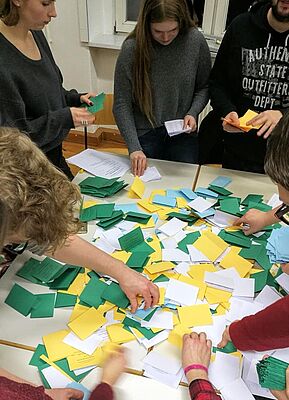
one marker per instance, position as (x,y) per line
(175,255)
(197,256)
(200,204)
(101,164)
(224,370)
(237,390)
(89,345)
(182,293)
(175,127)
(170,365)
(55,379)
(268,296)
(151,174)
(160,319)
(172,227)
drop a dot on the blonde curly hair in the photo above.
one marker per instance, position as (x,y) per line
(41,202)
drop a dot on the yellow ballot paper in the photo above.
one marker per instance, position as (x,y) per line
(194,282)
(87,323)
(214,296)
(232,259)
(137,188)
(148,206)
(55,347)
(197,315)
(197,271)
(77,311)
(243,122)
(118,334)
(176,335)
(160,267)
(81,360)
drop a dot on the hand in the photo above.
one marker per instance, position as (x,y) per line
(282,394)
(85,98)
(138,163)
(134,284)
(231,118)
(225,338)
(190,122)
(81,116)
(113,367)
(255,221)
(64,394)
(196,350)
(268,119)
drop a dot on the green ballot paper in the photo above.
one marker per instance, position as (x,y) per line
(272,373)
(98,103)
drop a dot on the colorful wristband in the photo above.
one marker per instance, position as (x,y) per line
(195,366)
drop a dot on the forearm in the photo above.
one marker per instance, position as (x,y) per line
(72,98)
(77,251)
(269,217)
(266,330)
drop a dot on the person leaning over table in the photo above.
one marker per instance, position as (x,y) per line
(268,329)
(161,74)
(32,98)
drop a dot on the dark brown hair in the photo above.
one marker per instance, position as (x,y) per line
(9,12)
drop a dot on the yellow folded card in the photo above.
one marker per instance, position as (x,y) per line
(87,323)
(197,271)
(232,259)
(117,334)
(137,188)
(82,360)
(197,315)
(176,335)
(56,349)
(160,267)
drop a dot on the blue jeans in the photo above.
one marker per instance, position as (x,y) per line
(158,144)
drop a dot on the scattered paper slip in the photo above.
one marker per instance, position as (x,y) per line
(176,127)
(151,174)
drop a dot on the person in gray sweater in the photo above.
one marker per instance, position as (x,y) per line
(161,74)
(32,98)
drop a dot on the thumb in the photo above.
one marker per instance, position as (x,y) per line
(223,342)
(75,394)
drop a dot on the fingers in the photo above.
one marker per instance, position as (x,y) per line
(141,166)
(147,298)
(75,394)
(224,340)
(133,303)
(155,294)
(138,163)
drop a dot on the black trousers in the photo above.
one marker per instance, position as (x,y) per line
(56,157)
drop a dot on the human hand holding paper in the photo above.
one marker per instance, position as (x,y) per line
(282,394)
(255,220)
(231,122)
(190,122)
(267,120)
(225,338)
(113,367)
(134,284)
(64,394)
(138,163)
(85,98)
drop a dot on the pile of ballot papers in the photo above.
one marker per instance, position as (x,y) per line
(277,245)
(208,272)
(272,373)
(101,187)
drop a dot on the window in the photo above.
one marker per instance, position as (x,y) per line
(212,15)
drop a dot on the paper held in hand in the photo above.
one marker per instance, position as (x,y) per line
(176,127)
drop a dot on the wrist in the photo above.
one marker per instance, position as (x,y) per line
(196,374)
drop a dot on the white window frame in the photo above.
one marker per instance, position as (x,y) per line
(214,21)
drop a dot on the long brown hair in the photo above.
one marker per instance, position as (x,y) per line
(153,11)
(9,12)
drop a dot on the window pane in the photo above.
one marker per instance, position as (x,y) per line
(132,9)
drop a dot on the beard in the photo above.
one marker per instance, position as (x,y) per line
(279,17)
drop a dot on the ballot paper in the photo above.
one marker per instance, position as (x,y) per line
(55,378)
(201,205)
(151,174)
(89,345)
(283,281)
(230,367)
(236,390)
(182,293)
(101,164)
(176,127)
(172,227)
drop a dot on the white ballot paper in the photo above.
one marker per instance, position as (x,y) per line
(101,164)
(175,127)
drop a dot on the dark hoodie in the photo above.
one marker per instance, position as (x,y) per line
(251,71)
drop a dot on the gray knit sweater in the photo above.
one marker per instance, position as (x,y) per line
(179,76)
(32,98)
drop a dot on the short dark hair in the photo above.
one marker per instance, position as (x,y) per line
(277,156)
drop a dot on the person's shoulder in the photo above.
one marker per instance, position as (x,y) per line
(195,36)
(128,45)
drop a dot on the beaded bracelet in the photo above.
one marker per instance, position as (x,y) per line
(195,366)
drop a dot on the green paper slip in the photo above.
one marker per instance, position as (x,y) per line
(231,205)
(98,103)
(96,212)
(92,292)
(260,280)
(220,190)
(229,348)
(44,308)
(161,278)
(189,239)
(272,373)
(137,259)
(107,223)
(236,240)
(128,322)
(48,270)
(253,198)
(21,300)
(251,253)
(143,248)
(65,279)
(131,239)
(115,295)
(138,217)
(97,182)
(36,361)
(184,217)
(26,271)
(65,300)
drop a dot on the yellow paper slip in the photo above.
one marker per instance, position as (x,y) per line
(56,349)
(208,247)
(176,335)
(77,311)
(162,291)
(148,206)
(87,323)
(197,271)
(160,267)
(161,192)
(197,315)
(117,334)
(77,285)
(246,118)
(241,265)
(148,225)
(122,255)
(82,360)
(137,188)
(214,296)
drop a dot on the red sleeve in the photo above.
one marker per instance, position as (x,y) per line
(103,391)
(266,330)
(200,389)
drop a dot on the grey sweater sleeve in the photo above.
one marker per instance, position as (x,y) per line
(123,108)
(201,95)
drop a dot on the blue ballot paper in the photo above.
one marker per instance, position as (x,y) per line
(75,385)
(277,246)
(164,200)
(221,181)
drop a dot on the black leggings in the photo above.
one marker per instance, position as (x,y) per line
(56,157)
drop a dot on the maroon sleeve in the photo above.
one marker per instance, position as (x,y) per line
(266,330)
(103,391)
(200,389)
